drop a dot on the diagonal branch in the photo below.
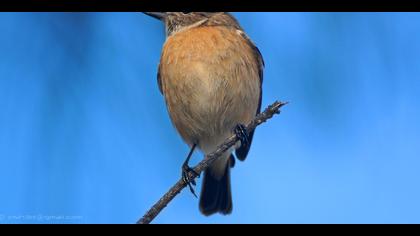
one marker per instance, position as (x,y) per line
(268,113)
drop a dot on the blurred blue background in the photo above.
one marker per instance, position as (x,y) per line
(85,136)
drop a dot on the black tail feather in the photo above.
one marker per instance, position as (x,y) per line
(216,196)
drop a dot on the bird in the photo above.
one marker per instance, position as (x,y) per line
(210,74)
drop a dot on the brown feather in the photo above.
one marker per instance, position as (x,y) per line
(210,82)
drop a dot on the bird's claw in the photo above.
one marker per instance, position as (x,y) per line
(242,134)
(186,170)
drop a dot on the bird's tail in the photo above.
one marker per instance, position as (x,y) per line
(216,194)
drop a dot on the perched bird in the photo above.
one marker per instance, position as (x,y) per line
(210,74)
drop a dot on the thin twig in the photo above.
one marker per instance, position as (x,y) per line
(269,112)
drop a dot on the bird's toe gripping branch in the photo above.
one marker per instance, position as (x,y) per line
(186,170)
(242,134)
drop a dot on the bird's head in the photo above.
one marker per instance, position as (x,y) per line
(179,21)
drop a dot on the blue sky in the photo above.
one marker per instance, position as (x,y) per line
(85,136)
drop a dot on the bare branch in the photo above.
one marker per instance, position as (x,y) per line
(268,113)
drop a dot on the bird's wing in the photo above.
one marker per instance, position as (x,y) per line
(159,80)
(243,150)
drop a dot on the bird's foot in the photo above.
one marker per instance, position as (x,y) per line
(242,134)
(186,170)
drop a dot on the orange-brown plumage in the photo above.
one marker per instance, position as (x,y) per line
(210,74)
(210,80)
